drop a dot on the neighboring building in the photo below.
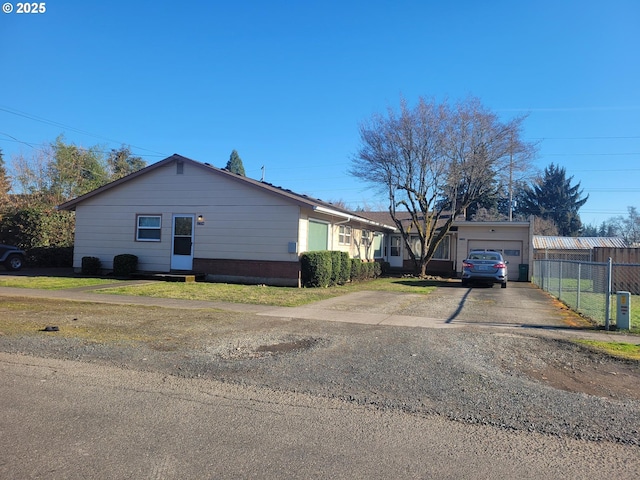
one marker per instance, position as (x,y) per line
(512,239)
(572,248)
(182,215)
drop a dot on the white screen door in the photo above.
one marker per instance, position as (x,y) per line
(182,242)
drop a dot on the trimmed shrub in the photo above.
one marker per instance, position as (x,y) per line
(91,265)
(336,267)
(356,269)
(316,269)
(377,269)
(385,267)
(124,264)
(345,272)
(367,270)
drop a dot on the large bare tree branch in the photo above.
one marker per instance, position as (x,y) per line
(436,158)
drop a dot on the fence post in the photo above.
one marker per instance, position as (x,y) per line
(560,280)
(579,279)
(607,307)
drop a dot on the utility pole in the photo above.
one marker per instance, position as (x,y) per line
(511,178)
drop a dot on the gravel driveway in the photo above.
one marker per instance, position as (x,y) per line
(487,370)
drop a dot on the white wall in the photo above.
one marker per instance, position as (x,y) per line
(240,221)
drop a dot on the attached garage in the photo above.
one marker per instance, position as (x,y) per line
(513,239)
(511,250)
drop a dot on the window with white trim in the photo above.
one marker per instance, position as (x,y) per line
(148,228)
(344,235)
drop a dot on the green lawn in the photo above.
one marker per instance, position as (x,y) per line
(628,351)
(223,292)
(265,295)
(52,283)
(592,304)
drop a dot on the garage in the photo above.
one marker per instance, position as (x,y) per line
(511,250)
(512,239)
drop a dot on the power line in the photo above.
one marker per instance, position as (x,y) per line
(41,146)
(68,127)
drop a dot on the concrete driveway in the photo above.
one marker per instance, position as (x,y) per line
(449,306)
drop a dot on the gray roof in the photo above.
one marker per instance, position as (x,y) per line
(300,199)
(542,242)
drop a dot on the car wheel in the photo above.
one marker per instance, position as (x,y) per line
(503,285)
(13,262)
(465,283)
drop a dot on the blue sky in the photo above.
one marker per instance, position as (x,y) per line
(286,84)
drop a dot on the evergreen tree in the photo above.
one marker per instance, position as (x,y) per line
(121,163)
(234,165)
(552,197)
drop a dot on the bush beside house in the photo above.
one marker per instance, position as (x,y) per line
(327,268)
(125,264)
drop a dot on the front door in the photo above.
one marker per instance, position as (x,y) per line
(395,251)
(182,242)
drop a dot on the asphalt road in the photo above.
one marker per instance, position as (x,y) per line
(63,419)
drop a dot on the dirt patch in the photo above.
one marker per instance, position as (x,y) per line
(609,378)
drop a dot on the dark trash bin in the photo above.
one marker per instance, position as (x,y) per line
(523,270)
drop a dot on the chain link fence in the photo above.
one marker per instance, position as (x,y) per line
(588,287)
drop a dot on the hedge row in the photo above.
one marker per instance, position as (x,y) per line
(326,268)
(50,257)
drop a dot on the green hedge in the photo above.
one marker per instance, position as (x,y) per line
(345,273)
(50,257)
(316,269)
(326,268)
(124,264)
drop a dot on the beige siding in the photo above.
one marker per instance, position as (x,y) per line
(496,235)
(355,249)
(240,222)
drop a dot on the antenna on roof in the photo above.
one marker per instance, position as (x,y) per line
(262,179)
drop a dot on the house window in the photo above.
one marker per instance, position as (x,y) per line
(344,235)
(378,245)
(442,252)
(148,228)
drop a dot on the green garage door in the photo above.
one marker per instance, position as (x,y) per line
(318,236)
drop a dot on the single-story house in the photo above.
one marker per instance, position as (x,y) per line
(182,215)
(512,239)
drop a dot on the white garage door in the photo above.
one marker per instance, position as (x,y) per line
(511,250)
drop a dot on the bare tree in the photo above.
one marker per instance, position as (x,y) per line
(544,226)
(433,161)
(628,227)
(31,177)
